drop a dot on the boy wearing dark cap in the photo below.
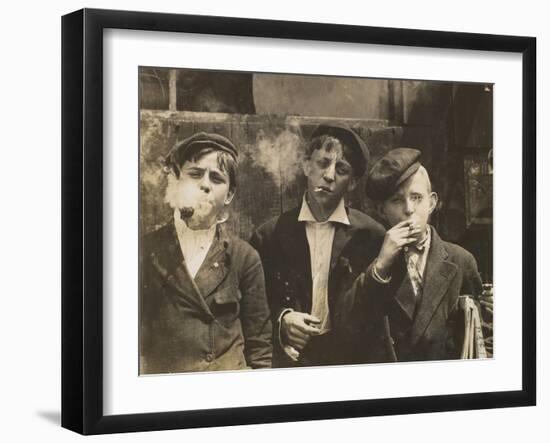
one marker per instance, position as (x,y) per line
(310,251)
(202,291)
(416,280)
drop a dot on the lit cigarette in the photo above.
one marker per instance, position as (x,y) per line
(186,212)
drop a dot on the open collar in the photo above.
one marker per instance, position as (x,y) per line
(339,215)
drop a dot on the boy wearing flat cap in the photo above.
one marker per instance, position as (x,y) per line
(416,280)
(202,291)
(309,252)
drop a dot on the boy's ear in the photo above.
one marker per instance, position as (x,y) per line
(229,197)
(306,166)
(379,206)
(434,198)
(352,184)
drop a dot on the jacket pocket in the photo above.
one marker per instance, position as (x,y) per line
(226,306)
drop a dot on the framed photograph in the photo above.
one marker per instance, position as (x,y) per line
(273,221)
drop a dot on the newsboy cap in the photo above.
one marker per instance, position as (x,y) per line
(181,150)
(390,171)
(350,138)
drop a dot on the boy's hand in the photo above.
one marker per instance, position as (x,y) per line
(396,238)
(298,327)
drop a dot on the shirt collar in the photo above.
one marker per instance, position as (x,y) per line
(339,215)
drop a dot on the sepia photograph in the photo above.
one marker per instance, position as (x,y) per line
(293,220)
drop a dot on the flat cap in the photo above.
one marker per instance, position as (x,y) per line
(182,149)
(351,139)
(390,171)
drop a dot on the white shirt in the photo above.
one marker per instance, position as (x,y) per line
(194,244)
(320,236)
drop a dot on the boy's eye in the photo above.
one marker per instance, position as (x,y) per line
(323,163)
(194,174)
(342,170)
(217,178)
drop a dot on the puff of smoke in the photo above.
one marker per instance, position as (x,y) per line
(151,135)
(279,155)
(196,207)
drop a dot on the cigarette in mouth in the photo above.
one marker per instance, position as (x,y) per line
(186,212)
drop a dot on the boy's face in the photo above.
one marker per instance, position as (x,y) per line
(329,177)
(203,186)
(412,201)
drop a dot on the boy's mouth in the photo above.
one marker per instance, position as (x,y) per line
(322,189)
(186,212)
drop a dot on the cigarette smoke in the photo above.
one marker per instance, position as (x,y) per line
(280,154)
(202,208)
(151,136)
(155,139)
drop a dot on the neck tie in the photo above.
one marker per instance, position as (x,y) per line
(412,257)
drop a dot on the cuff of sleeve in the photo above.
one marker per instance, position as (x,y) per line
(377,277)
(289,350)
(281,315)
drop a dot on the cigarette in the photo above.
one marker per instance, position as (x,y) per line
(186,212)
(292,352)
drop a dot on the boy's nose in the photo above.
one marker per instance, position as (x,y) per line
(205,184)
(329,174)
(409,207)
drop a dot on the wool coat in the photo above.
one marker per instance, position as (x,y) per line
(284,250)
(396,325)
(217,321)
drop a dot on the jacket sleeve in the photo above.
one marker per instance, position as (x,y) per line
(260,241)
(363,303)
(255,318)
(146,313)
(365,292)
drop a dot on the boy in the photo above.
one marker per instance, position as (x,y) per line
(415,282)
(309,253)
(202,300)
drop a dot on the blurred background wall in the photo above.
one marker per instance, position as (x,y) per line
(271,116)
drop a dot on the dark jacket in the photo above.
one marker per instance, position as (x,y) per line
(399,326)
(284,250)
(218,321)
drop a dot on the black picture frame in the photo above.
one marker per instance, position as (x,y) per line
(82,220)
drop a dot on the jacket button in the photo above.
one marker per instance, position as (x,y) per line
(209,358)
(287,298)
(216,264)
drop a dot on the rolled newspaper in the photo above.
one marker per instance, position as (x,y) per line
(473,345)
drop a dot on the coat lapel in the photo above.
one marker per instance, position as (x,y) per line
(342,235)
(215,267)
(404,295)
(296,251)
(438,275)
(168,261)
(297,258)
